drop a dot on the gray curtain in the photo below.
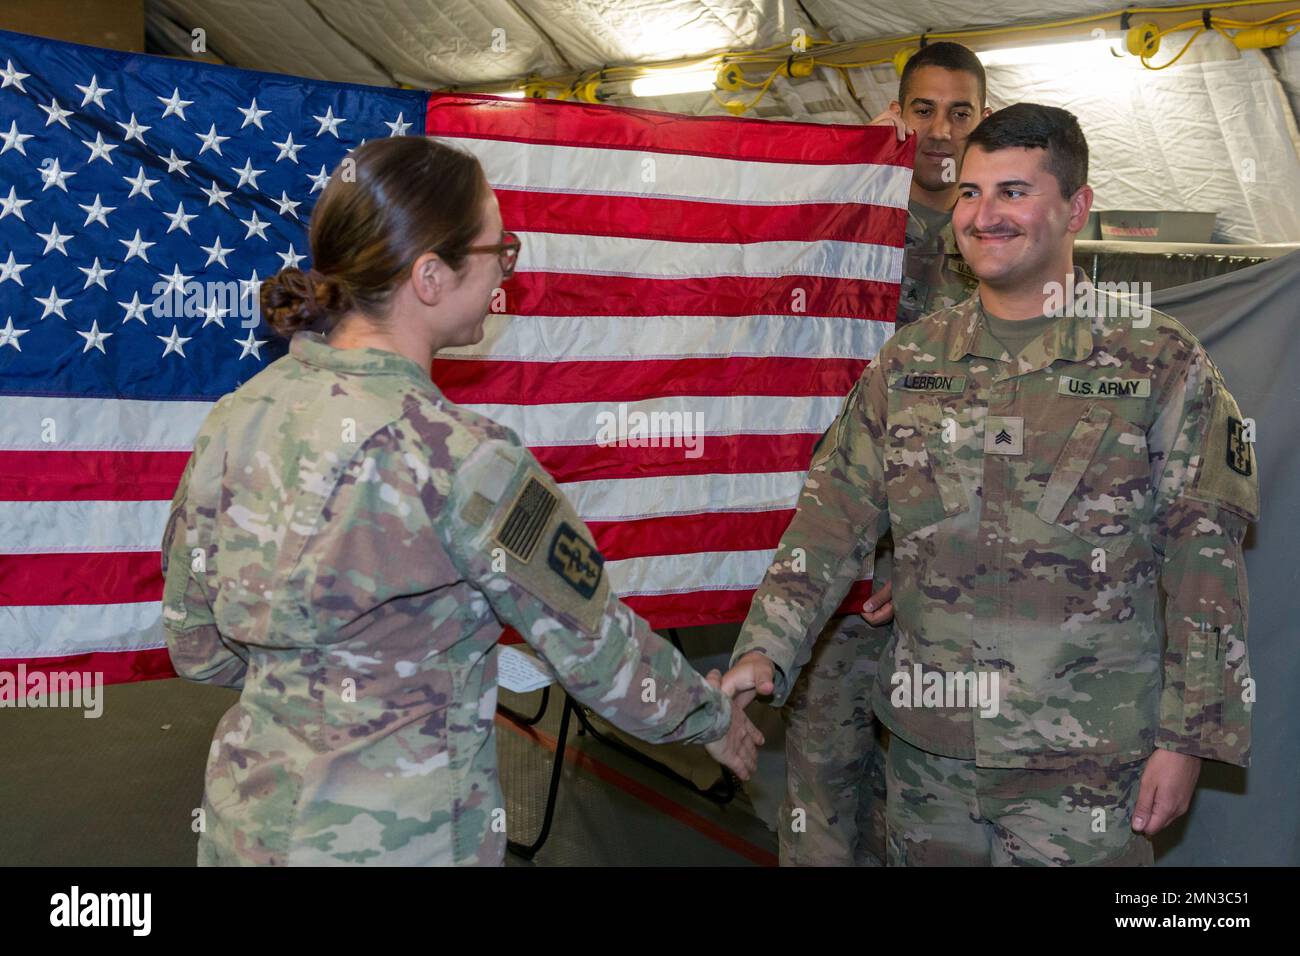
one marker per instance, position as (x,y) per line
(1249,321)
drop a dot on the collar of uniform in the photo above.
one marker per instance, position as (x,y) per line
(917,228)
(1069,339)
(311,348)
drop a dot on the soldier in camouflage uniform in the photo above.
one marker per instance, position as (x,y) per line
(345,544)
(1042,495)
(834,809)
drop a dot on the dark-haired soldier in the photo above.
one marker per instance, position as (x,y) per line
(1052,461)
(834,808)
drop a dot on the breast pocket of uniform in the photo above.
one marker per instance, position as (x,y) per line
(1100,486)
(921,474)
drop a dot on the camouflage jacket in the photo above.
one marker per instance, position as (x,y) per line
(1038,506)
(343,547)
(934,274)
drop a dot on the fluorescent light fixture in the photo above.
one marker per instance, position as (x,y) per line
(672,82)
(511,94)
(1069,51)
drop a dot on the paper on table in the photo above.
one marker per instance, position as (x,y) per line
(518,672)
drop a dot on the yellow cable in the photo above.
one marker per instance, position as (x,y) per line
(1186,46)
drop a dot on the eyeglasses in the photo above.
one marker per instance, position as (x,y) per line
(507,252)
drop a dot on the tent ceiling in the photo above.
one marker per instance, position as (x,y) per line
(1215,132)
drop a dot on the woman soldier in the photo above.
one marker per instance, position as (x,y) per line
(345,545)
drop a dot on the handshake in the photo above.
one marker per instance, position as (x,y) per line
(755,674)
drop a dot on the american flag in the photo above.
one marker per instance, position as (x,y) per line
(736,273)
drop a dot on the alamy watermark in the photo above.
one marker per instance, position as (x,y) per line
(83,690)
(638,429)
(1105,300)
(951,689)
(212,301)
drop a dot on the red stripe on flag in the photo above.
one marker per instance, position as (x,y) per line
(681,220)
(90,475)
(571,293)
(118,667)
(721,455)
(689,534)
(115,476)
(498,382)
(555,123)
(114,577)
(699,608)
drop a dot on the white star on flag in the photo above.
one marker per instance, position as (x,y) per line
(12,270)
(14,139)
(54,240)
(97,212)
(175,105)
(175,342)
(319,180)
(13,205)
(137,247)
(247,174)
(134,130)
(288,149)
(140,184)
(53,305)
(329,122)
(251,346)
(290,258)
(176,164)
(95,275)
(54,176)
(135,309)
(252,115)
(179,219)
(211,140)
(10,336)
(216,195)
(176,281)
(99,149)
(12,77)
(255,226)
(56,114)
(94,338)
(216,254)
(93,92)
(284,202)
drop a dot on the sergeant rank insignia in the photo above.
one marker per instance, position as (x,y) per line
(576,561)
(1238,448)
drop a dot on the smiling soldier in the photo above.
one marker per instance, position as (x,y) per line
(1037,526)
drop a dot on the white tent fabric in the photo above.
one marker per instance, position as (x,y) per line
(1215,132)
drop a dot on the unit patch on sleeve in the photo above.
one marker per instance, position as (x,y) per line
(576,561)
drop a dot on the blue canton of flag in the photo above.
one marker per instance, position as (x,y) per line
(142,202)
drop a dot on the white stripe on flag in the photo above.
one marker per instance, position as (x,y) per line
(546,338)
(580,423)
(37,423)
(701,571)
(662,259)
(56,630)
(633,172)
(629,498)
(94,527)
(77,527)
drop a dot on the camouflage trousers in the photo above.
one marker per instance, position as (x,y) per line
(835,769)
(943,811)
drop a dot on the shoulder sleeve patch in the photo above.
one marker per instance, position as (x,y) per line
(530,534)
(1227,474)
(526,519)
